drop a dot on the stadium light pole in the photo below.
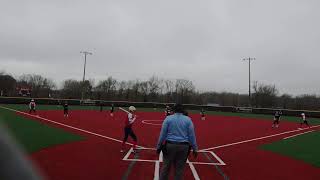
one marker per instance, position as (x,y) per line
(249,59)
(84,70)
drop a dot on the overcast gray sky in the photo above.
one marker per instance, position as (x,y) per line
(203,41)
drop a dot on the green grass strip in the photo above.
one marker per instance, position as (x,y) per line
(305,147)
(33,135)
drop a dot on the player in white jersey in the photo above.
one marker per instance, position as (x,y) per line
(304,120)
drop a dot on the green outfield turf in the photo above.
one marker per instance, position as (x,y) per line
(305,147)
(33,135)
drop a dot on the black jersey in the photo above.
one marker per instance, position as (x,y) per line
(168,111)
(202,113)
(65,106)
(277,114)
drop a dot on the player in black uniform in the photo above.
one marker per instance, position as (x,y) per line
(101,106)
(66,109)
(203,116)
(32,106)
(111,110)
(168,111)
(276,119)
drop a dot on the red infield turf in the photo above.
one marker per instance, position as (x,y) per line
(231,147)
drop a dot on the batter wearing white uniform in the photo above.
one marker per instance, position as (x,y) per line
(128,129)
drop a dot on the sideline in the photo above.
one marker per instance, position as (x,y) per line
(298,134)
(256,139)
(68,126)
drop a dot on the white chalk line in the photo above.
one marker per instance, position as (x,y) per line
(71,127)
(157,167)
(297,134)
(194,171)
(156,170)
(160,159)
(256,139)
(149,122)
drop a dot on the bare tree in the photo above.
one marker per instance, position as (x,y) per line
(41,86)
(144,89)
(154,85)
(7,84)
(184,89)
(285,101)
(71,88)
(134,91)
(87,87)
(169,89)
(264,95)
(107,87)
(307,101)
(121,87)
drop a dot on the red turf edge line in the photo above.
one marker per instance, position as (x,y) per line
(71,127)
(255,139)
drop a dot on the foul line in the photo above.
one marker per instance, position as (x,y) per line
(225,177)
(156,171)
(297,134)
(68,126)
(157,167)
(255,139)
(130,167)
(149,123)
(194,172)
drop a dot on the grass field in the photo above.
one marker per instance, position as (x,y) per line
(305,147)
(33,135)
(84,140)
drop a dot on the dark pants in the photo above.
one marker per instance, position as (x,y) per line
(32,110)
(65,111)
(176,155)
(128,132)
(304,122)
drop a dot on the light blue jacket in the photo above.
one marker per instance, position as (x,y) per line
(178,128)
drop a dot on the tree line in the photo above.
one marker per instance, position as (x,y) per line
(154,89)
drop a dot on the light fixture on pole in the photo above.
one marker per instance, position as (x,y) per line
(84,70)
(249,59)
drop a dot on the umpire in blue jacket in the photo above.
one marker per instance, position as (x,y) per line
(176,138)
